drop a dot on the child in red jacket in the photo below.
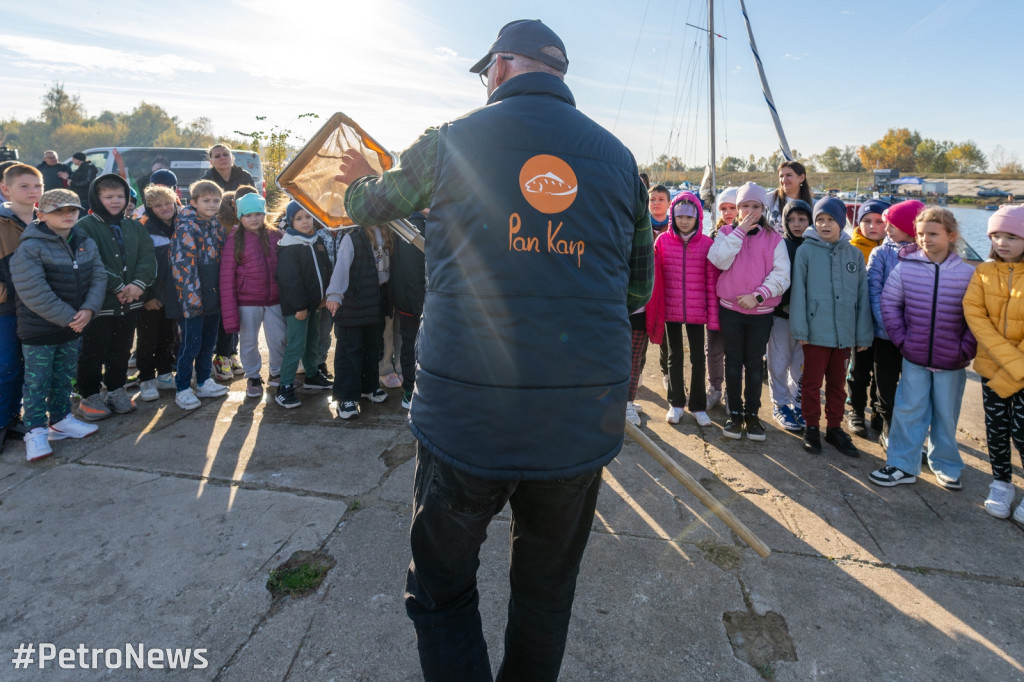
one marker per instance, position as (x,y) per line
(684,294)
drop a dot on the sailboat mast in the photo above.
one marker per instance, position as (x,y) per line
(711,108)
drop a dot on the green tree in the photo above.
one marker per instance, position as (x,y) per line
(59,107)
(274,147)
(836,160)
(930,156)
(731,164)
(967,158)
(146,124)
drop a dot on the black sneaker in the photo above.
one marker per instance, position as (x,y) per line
(812,440)
(855,422)
(877,422)
(407,400)
(889,476)
(286,396)
(841,441)
(318,381)
(755,429)
(378,396)
(733,427)
(348,410)
(322,368)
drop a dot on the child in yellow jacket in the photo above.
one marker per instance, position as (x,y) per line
(994,310)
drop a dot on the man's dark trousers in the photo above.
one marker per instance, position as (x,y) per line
(550,527)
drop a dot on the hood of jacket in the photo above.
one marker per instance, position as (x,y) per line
(157,227)
(96,206)
(689,197)
(8,213)
(292,236)
(812,238)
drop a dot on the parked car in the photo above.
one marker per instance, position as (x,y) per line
(188,164)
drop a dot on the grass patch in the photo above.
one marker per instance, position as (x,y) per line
(300,575)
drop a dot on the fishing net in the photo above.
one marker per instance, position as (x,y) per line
(309,177)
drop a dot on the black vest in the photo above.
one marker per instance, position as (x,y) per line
(524,351)
(362,304)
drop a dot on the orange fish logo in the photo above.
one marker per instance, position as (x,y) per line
(548,183)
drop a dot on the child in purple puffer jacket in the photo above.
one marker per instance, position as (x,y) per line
(922,309)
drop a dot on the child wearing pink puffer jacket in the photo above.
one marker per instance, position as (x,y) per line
(684,295)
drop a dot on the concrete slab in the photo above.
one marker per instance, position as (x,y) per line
(105,557)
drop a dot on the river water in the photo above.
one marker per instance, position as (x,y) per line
(973,225)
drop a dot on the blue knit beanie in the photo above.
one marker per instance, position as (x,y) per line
(164,177)
(291,210)
(834,207)
(872,206)
(250,203)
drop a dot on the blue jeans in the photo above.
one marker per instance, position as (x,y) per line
(198,339)
(550,527)
(926,400)
(12,370)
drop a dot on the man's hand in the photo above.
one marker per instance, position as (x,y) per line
(332,307)
(300,315)
(152,304)
(62,175)
(747,301)
(81,318)
(353,166)
(129,294)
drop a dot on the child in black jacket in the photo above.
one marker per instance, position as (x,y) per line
(303,271)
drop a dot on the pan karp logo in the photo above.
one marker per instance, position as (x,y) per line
(548,183)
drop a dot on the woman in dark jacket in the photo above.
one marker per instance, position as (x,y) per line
(224,172)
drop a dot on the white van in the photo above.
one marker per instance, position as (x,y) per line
(188,164)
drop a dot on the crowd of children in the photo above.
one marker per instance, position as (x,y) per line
(887,319)
(186,286)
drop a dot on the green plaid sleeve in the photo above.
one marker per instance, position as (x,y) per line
(641,260)
(373,200)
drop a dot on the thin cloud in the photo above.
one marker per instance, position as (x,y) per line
(796,57)
(445,52)
(61,57)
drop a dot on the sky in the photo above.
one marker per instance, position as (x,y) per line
(841,72)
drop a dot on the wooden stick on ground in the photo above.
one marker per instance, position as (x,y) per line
(698,491)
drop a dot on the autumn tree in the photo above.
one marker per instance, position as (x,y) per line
(895,150)
(967,158)
(930,156)
(1006,162)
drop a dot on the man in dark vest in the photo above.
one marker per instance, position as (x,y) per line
(538,245)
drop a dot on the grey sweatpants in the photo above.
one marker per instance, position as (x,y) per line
(785,364)
(250,319)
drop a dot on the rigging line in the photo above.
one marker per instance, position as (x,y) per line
(661,81)
(725,94)
(685,94)
(629,73)
(680,86)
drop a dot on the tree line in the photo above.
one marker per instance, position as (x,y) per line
(899,148)
(64,125)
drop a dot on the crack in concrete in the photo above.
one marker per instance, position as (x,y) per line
(863,525)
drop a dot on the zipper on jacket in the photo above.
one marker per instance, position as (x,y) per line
(1006,310)
(935,305)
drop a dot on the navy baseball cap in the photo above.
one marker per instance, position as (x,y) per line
(526,37)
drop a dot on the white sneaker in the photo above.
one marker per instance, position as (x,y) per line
(148,390)
(69,427)
(165,382)
(674,414)
(210,389)
(187,400)
(714,397)
(631,415)
(702,418)
(1000,499)
(36,444)
(1018,515)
